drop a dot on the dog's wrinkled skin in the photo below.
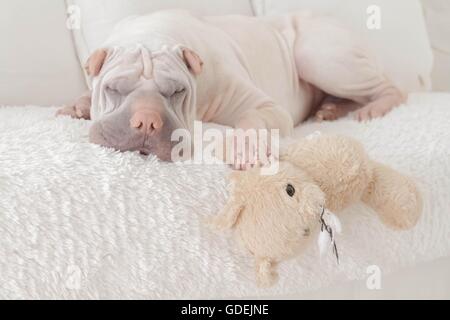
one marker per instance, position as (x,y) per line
(162,72)
(135,127)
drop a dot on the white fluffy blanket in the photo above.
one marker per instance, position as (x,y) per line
(80,221)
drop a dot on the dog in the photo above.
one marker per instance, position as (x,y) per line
(161,72)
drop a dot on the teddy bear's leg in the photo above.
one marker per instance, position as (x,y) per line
(339,165)
(266,276)
(394,197)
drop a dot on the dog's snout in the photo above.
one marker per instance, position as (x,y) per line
(147,121)
(112,135)
(146,131)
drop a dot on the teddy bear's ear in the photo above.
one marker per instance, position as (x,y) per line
(229,216)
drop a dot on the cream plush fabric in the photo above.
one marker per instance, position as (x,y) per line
(80,221)
(402,43)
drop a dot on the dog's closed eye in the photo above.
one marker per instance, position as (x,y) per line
(111,90)
(116,91)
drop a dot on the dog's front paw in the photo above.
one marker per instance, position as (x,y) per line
(67,112)
(80,110)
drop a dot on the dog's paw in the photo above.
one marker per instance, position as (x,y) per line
(327,112)
(67,112)
(81,110)
(372,111)
(246,153)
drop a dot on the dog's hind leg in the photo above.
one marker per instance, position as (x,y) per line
(330,57)
(333,108)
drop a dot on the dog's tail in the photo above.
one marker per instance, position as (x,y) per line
(394,197)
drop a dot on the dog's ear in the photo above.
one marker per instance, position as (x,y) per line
(193,61)
(95,62)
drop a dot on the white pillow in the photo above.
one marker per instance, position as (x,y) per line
(98,17)
(38,64)
(437,14)
(402,43)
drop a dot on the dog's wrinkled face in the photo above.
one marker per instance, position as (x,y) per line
(140,98)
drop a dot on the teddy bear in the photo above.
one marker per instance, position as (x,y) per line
(276,216)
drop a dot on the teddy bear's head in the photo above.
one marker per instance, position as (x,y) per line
(275,216)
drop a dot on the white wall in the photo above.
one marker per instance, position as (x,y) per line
(38,64)
(437,14)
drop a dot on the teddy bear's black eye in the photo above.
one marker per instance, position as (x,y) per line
(290,190)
